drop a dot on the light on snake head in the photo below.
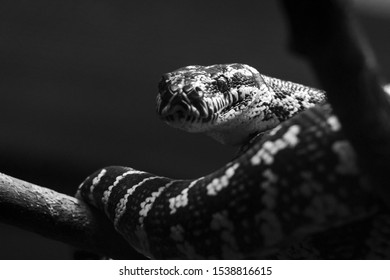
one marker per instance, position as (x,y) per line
(187,88)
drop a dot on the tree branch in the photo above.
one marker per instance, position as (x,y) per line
(325,32)
(60,217)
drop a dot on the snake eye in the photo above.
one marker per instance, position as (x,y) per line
(222,84)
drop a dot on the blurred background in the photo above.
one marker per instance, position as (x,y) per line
(78,81)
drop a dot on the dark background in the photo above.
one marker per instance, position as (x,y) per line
(78,80)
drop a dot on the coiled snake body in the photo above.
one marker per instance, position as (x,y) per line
(296,174)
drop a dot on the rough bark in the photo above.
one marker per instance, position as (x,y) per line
(60,217)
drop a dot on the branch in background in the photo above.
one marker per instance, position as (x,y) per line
(325,33)
(60,217)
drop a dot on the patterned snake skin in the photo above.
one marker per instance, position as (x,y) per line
(296,176)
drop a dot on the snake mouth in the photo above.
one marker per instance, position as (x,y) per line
(189,108)
(175,103)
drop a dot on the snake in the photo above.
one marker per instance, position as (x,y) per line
(295,175)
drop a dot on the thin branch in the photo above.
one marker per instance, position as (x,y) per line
(60,217)
(325,32)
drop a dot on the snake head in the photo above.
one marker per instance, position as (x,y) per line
(202,98)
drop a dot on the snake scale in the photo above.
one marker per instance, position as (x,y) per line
(296,173)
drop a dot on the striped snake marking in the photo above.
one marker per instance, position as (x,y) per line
(296,174)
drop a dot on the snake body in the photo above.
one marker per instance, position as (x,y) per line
(297,175)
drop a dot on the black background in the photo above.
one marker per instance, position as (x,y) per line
(78,80)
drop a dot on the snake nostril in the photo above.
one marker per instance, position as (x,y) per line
(165,77)
(199,91)
(174,88)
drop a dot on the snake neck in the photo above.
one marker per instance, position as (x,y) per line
(275,101)
(290,98)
